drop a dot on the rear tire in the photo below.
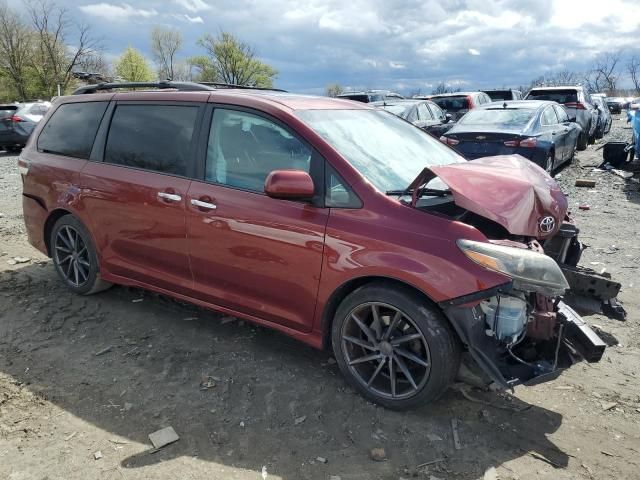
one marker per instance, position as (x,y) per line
(583,141)
(380,331)
(74,257)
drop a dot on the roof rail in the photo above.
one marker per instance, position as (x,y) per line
(242,87)
(181,86)
(168,84)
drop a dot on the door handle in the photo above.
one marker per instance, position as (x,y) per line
(169,197)
(203,205)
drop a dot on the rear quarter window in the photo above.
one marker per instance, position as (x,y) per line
(72,129)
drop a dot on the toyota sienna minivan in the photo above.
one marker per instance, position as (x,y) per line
(339,224)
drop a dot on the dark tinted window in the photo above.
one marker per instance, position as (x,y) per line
(359,98)
(452,104)
(72,129)
(244,148)
(560,96)
(496,95)
(153,137)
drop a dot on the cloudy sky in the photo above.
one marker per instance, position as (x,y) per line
(403,45)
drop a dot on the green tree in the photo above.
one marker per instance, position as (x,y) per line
(204,69)
(333,90)
(235,62)
(16,48)
(133,67)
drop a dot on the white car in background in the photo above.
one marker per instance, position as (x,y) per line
(33,111)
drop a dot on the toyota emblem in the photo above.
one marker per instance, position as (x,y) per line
(547,224)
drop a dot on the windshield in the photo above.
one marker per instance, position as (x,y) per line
(386,150)
(500,117)
(452,104)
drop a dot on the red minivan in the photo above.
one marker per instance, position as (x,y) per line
(336,223)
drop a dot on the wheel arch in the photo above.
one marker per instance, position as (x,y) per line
(351,285)
(51,220)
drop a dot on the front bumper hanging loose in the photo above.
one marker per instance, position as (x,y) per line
(543,360)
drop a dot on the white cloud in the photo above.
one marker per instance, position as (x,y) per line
(473,51)
(113,12)
(193,5)
(197,19)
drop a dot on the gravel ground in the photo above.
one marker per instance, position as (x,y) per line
(278,407)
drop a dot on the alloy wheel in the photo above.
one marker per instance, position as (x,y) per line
(549,165)
(385,350)
(72,256)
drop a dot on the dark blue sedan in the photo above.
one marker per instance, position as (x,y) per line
(538,130)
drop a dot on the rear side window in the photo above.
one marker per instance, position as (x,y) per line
(152,137)
(72,129)
(561,113)
(549,116)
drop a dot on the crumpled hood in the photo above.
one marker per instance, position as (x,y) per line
(508,189)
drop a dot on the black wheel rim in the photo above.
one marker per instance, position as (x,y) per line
(386,351)
(72,256)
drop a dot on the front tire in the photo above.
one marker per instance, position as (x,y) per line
(548,163)
(75,258)
(393,347)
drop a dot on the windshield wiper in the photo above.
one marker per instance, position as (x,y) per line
(432,192)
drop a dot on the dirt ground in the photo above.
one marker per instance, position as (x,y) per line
(276,408)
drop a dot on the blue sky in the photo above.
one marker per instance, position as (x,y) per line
(403,45)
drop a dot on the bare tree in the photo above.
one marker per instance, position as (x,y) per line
(333,90)
(633,67)
(165,44)
(604,74)
(443,87)
(94,63)
(54,57)
(15,50)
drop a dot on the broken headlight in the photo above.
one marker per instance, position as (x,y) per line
(530,271)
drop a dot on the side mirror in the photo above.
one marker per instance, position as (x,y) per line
(572,119)
(289,185)
(448,117)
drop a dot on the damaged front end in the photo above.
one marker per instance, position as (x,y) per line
(521,332)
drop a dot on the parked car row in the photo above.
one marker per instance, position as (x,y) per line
(333,221)
(17,122)
(538,130)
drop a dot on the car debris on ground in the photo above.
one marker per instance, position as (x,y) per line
(163,437)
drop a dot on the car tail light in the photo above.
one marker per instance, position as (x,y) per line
(449,141)
(16,119)
(530,142)
(470,103)
(576,105)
